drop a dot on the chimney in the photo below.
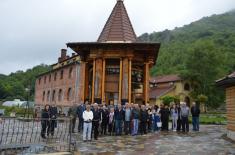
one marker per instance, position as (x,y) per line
(63,55)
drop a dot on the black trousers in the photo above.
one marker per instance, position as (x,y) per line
(143,126)
(80,124)
(45,128)
(127,127)
(165,124)
(53,125)
(111,128)
(179,124)
(104,125)
(95,126)
(185,124)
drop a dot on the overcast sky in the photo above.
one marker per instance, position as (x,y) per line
(33,31)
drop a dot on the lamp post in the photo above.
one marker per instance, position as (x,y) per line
(27,90)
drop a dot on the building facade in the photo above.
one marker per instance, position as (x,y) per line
(169,85)
(228,83)
(60,86)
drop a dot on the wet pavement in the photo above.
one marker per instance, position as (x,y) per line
(210,140)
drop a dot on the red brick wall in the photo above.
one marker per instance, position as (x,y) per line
(230,103)
(65,83)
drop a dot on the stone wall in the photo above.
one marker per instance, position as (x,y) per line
(58,82)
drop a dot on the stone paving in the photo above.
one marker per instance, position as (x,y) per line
(210,140)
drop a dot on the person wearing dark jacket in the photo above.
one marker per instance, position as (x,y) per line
(165,113)
(72,113)
(105,120)
(53,116)
(45,115)
(119,116)
(81,108)
(195,111)
(143,120)
(96,120)
(179,122)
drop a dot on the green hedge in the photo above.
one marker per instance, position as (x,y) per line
(19,111)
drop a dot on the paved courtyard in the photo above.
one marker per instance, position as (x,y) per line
(210,140)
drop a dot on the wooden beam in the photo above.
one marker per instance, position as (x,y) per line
(120,82)
(129,81)
(146,82)
(93,83)
(103,80)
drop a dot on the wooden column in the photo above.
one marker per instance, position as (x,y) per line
(146,82)
(125,81)
(120,82)
(93,83)
(83,80)
(103,81)
(129,81)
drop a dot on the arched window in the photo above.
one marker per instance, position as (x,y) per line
(61,74)
(50,78)
(69,94)
(48,95)
(55,75)
(70,72)
(53,95)
(43,95)
(45,79)
(186,87)
(60,95)
(39,81)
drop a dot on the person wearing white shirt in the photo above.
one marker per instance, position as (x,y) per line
(87,125)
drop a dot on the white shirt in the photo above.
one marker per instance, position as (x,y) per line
(87,115)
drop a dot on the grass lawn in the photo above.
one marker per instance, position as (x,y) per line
(212,119)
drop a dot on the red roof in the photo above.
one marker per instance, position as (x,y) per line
(165,79)
(118,28)
(156,92)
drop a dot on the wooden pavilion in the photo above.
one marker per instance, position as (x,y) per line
(116,67)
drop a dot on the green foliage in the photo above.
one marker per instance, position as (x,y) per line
(202,98)
(18,110)
(200,52)
(166,100)
(13,86)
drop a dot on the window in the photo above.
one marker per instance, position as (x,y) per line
(45,79)
(61,74)
(43,96)
(53,95)
(70,72)
(69,94)
(39,81)
(55,75)
(48,95)
(186,87)
(50,78)
(60,95)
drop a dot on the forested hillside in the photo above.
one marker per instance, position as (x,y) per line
(202,52)
(13,86)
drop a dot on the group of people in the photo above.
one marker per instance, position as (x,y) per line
(129,119)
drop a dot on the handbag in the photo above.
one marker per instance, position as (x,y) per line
(159,124)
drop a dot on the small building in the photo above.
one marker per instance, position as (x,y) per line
(169,85)
(228,83)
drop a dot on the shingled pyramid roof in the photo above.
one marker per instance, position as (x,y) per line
(118,28)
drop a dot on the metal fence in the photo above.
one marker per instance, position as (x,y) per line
(23,136)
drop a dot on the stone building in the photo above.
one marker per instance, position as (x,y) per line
(114,69)
(169,85)
(60,85)
(228,83)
